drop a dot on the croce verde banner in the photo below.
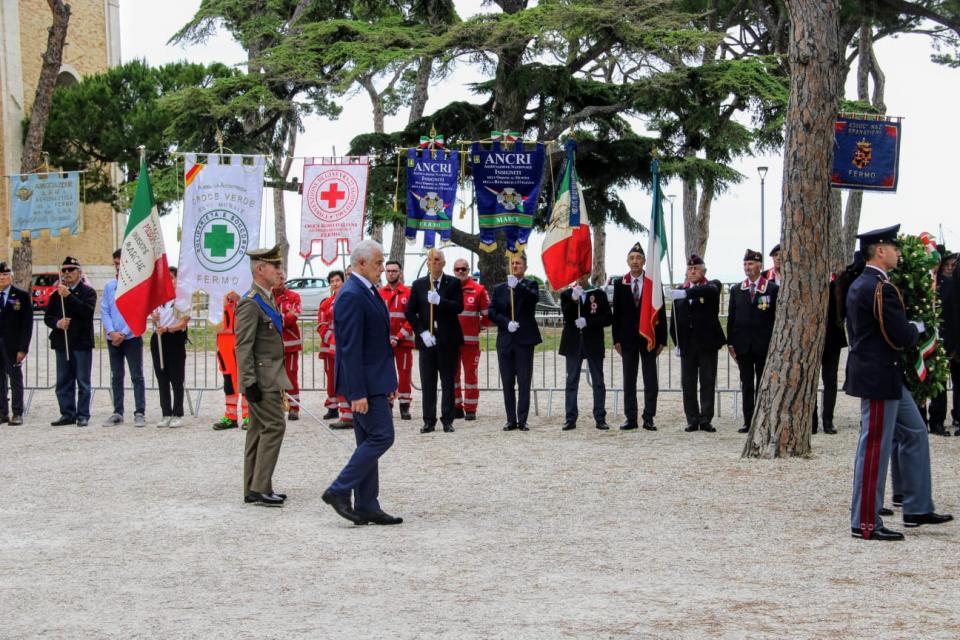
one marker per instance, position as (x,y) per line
(48,201)
(866,153)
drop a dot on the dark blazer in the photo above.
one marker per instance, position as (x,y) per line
(79,305)
(626,320)
(750,322)
(874,368)
(446,324)
(695,322)
(836,338)
(16,322)
(365,365)
(950,315)
(525,298)
(597,312)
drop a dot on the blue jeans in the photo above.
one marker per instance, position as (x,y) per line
(73,383)
(132,351)
(595,366)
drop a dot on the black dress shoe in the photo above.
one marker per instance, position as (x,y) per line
(458,413)
(937,429)
(293,416)
(829,429)
(743,430)
(649,426)
(882,534)
(523,427)
(708,428)
(569,426)
(897,500)
(469,416)
(62,422)
(629,426)
(886,512)
(16,420)
(341,504)
(331,414)
(267,500)
(340,424)
(926,518)
(510,426)
(448,428)
(405,412)
(957,432)
(690,428)
(603,426)
(427,428)
(4,419)
(380,517)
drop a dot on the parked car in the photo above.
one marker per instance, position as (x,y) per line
(41,286)
(312,292)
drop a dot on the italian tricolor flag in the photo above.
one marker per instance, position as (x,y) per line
(652,299)
(567,253)
(144,281)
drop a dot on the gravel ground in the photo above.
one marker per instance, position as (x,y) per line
(142,533)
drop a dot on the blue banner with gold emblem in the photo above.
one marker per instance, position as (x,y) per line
(45,201)
(866,153)
(507,178)
(431,193)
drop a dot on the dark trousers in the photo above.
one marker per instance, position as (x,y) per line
(73,383)
(646,362)
(828,372)
(438,361)
(374,433)
(595,365)
(751,370)
(702,366)
(10,369)
(132,351)
(938,406)
(172,373)
(516,368)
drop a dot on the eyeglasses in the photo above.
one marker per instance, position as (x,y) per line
(68,270)
(461,269)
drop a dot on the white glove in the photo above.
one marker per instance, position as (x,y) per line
(513,326)
(433,297)
(428,339)
(578,292)
(919,325)
(580,322)
(512,281)
(677,351)
(678,294)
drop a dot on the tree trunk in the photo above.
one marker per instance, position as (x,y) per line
(22,258)
(421,89)
(599,274)
(285,150)
(492,265)
(786,398)
(696,217)
(835,232)
(398,241)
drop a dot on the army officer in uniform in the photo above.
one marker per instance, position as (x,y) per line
(262,376)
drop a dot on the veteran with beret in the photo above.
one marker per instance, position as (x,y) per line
(261,376)
(16,329)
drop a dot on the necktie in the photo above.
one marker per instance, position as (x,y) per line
(636,292)
(3,300)
(753,291)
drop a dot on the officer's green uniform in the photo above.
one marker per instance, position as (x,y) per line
(260,362)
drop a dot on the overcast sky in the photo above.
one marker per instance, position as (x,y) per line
(924,93)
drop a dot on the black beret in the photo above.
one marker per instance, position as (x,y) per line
(775,250)
(752,255)
(636,248)
(694,260)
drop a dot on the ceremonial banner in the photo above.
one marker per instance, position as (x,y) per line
(144,280)
(567,252)
(866,154)
(221,221)
(334,204)
(45,201)
(506,179)
(651,300)
(431,193)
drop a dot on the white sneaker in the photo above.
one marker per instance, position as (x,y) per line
(164,422)
(139,420)
(175,423)
(113,420)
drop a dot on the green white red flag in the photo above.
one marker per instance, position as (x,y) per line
(567,253)
(144,280)
(651,300)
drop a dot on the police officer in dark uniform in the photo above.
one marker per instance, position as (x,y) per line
(585,314)
(16,330)
(878,330)
(639,352)
(752,306)
(695,329)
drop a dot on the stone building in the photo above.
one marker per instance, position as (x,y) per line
(92,46)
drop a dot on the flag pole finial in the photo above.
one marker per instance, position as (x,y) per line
(143,152)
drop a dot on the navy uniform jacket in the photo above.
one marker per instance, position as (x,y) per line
(365,365)
(80,306)
(695,323)
(626,319)
(750,322)
(446,323)
(597,312)
(874,368)
(16,322)
(525,298)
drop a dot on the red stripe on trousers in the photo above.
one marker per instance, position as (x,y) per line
(871,469)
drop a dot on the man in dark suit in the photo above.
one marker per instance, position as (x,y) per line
(695,328)
(585,313)
(513,308)
(753,304)
(16,329)
(366,375)
(433,309)
(637,351)
(878,330)
(69,316)
(833,344)
(949,334)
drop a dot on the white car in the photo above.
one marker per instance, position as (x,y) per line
(312,292)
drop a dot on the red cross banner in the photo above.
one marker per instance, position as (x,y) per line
(221,221)
(334,204)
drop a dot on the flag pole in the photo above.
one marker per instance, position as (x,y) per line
(430,279)
(658,195)
(143,161)
(63,315)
